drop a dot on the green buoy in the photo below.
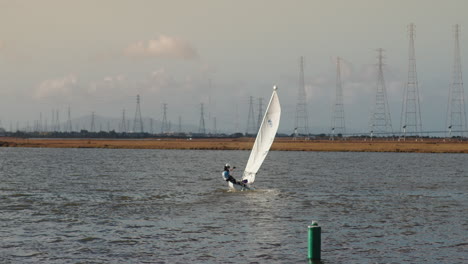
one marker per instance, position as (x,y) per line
(314,241)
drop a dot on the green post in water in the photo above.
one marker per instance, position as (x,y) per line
(314,241)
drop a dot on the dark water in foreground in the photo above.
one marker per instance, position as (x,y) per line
(171,206)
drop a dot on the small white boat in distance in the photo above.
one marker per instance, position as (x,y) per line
(265,137)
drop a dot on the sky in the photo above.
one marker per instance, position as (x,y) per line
(96,56)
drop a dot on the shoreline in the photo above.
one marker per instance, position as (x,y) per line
(280,144)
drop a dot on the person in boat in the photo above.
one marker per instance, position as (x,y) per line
(228,177)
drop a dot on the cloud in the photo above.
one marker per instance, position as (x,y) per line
(156,83)
(118,90)
(162,47)
(59,87)
(68,87)
(161,80)
(110,87)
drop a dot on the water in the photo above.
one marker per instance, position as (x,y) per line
(171,206)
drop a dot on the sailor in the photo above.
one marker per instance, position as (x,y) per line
(228,177)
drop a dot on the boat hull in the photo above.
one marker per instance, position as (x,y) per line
(237,187)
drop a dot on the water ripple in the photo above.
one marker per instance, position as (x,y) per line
(153,206)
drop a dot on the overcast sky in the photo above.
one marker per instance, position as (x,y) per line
(98,55)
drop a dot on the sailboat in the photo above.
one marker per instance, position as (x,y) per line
(265,137)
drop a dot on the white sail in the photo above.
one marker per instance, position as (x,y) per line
(265,136)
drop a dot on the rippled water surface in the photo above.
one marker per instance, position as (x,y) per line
(172,206)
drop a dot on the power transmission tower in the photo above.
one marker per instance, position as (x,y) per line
(260,112)
(92,123)
(411,111)
(338,116)
(52,121)
(302,118)
(40,122)
(210,105)
(380,120)
(57,120)
(164,125)
(236,123)
(250,120)
(151,126)
(201,127)
(123,124)
(214,126)
(138,122)
(456,111)
(69,123)
(180,125)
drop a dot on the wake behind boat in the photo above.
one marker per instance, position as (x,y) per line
(265,137)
